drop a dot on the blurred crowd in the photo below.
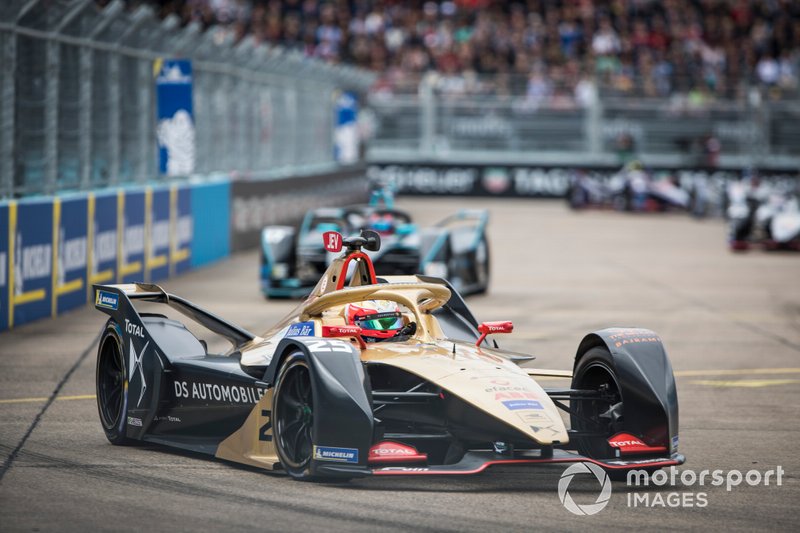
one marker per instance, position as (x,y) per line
(545,49)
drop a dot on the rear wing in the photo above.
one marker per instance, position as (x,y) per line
(116,301)
(472,217)
(471,221)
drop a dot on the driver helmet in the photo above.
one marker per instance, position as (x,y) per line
(380,223)
(378,319)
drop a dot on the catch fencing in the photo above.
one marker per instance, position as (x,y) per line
(77,99)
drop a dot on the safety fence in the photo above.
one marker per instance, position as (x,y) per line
(78,99)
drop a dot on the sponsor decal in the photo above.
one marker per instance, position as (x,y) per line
(134,329)
(109,300)
(168,418)
(426,179)
(133,421)
(332,241)
(301,329)
(135,363)
(518,405)
(515,395)
(627,443)
(496,180)
(622,337)
(674,444)
(391,452)
(219,393)
(340,455)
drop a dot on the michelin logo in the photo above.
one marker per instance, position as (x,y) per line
(109,300)
(177,136)
(340,455)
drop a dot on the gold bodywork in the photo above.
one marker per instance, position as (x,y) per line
(487,379)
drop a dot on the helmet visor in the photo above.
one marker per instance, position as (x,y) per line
(380,321)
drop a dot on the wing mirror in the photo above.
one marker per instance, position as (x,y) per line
(487,328)
(345,331)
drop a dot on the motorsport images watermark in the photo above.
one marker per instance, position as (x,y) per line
(683,482)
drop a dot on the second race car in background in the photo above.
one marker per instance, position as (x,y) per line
(457,248)
(631,189)
(762,214)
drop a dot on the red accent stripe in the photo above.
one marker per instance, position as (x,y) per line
(487,464)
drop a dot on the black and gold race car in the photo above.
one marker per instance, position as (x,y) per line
(377,376)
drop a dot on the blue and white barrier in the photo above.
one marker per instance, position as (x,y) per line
(53,249)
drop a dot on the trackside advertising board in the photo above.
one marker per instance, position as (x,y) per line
(523,181)
(175,131)
(53,249)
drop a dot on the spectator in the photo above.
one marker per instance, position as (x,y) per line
(702,49)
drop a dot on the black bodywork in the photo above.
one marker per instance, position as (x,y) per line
(179,395)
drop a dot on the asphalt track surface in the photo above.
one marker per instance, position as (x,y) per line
(731,324)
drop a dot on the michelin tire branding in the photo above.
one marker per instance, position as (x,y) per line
(338,455)
(109,300)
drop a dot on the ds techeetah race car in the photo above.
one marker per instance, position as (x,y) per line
(384,376)
(457,248)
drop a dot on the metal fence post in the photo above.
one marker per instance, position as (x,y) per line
(7,154)
(86,58)
(146,139)
(52,73)
(114,110)
(593,116)
(427,117)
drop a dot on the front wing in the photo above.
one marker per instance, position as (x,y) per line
(475,462)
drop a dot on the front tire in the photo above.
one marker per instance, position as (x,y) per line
(110,383)
(293,413)
(596,371)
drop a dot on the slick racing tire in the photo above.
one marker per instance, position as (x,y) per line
(596,371)
(110,383)
(293,411)
(482,266)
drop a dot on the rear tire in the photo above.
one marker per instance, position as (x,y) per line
(110,381)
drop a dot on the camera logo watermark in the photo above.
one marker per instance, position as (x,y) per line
(590,508)
(688,486)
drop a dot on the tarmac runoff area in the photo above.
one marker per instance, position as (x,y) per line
(730,323)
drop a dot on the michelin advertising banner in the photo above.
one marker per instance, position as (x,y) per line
(52,250)
(70,241)
(175,130)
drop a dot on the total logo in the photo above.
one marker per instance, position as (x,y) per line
(392,451)
(626,443)
(134,329)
